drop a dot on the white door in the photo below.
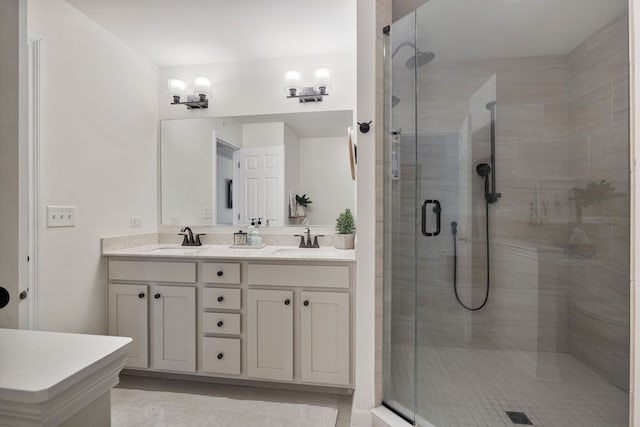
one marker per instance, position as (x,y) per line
(174,328)
(325,331)
(260,185)
(270,335)
(128,317)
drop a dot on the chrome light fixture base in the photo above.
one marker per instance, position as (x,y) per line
(202,102)
(308,94)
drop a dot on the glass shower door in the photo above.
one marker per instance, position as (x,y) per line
(401,223)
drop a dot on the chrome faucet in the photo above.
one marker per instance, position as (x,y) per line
(308,243)
(189,238)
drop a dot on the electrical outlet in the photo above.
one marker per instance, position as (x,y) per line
(61,216)
(136,222)
(174,220)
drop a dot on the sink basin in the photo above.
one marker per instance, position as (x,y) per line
(172,250)
(305,252)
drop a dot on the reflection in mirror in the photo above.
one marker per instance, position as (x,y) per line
(288,169)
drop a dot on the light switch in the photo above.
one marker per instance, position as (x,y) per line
(61,216)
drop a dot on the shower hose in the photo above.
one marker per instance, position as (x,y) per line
(454,230)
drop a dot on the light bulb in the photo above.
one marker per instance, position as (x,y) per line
(176,88)
(201,86)
(292,82)
(322,79)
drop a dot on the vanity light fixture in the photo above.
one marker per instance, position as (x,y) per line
(315,93)
(201,89)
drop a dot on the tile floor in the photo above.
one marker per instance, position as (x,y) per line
(341,402)
(469,387)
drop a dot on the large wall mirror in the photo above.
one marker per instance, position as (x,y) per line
(288,169)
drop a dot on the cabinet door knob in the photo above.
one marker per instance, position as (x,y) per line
(287,301)
(220,356)
(156,296)
(220,298)
(220,273)
(141,295)
(306,303)
(220,323)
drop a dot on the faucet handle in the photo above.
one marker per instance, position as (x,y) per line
(301,236)
(315,240)
(197,239)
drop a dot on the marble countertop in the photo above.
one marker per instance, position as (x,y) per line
(282,253)
(36,365)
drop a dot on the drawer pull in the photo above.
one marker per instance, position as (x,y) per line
(220,273)
(220,323)
(220,356)
(287,301)
(306,303)
(141,295)
(220,298)
(156,296)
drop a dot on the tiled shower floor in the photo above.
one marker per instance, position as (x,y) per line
(469,387)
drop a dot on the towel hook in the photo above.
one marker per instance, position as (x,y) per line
(365,127)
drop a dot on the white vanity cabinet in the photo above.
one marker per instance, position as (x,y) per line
(319,335)
(128,317)
(159,317)
(270,335)
(324,337)
(277,320)
(174,328)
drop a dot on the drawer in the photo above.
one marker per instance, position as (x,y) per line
(323,276)
(221,298)
(221,273)
(221,355)
(149,271)
(221,323)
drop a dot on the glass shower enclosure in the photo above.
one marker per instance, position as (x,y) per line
(506,210)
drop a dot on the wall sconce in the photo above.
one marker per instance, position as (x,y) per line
(294,88)
(201,89)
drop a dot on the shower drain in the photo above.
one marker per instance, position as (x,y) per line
(519,418)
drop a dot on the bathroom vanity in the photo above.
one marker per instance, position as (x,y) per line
(281,314)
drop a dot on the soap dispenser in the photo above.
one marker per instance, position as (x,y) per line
(256,238)
(250,231)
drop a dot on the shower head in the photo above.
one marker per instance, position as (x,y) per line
(394,100)
(420,59)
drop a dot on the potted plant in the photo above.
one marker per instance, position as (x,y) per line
(301,204)
(345,227)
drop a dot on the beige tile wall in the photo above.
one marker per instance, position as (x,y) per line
(599,137)
(561,123)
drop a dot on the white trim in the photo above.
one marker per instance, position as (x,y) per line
(34,180)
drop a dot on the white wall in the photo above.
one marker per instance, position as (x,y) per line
(291,168)
(98,152)
(12,160)
(364,397)
(257,87)
(188,163)
(262,134)
(326,177)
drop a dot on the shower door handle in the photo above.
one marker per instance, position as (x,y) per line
(437,209)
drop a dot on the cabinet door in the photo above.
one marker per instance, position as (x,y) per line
(128,317)
(174,328)
(325,330)
(270,335)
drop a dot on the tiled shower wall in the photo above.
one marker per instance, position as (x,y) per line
(562,123)
(598,150)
